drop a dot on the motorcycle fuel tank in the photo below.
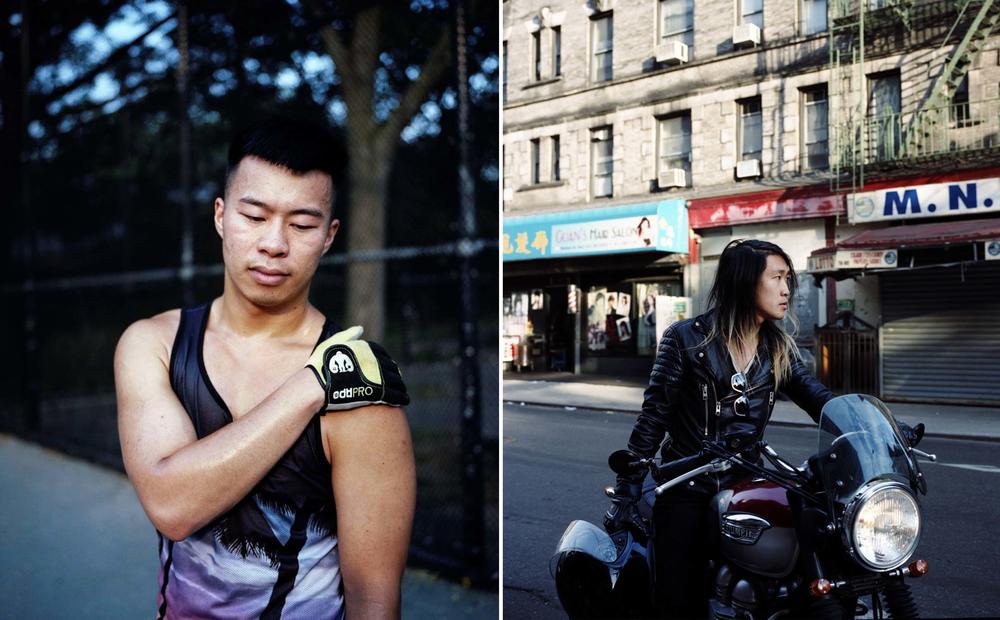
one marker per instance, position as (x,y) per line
(756,528)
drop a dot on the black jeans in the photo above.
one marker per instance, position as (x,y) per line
(682,552)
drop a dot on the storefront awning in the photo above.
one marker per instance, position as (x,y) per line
(879,249)
(925,235)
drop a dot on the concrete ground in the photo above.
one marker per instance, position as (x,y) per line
(625,394)
(76,544)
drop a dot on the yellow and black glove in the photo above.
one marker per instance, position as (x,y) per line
(355,373)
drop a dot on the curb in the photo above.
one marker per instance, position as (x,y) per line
(983,438)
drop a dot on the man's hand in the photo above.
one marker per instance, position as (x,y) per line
(624,511)
(354,373)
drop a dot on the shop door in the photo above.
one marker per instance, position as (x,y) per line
(559,330)
(941,334)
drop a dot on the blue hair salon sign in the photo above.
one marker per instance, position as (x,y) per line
(650,227)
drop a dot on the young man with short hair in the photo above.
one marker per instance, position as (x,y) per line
(268,449)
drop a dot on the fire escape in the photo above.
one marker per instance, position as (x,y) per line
(913,118)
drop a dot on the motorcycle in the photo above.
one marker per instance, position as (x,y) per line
(831,538)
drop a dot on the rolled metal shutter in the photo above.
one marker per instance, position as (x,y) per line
(940,337)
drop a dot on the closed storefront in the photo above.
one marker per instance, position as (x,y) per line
(941,334)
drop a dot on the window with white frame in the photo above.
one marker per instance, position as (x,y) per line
(555,159)
(751,138)
(752,12)
(675,144)
(815,129)
(602,45)
(556,51)
(813,16)
(884,126)
(602,162)
(536,164)
(536,55)
(677,21)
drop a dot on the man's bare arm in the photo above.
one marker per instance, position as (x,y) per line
(184,482)
(374,486)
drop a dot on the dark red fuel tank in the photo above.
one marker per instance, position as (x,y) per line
(756,529)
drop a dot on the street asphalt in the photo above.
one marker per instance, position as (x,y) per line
(76,544)
(555,470)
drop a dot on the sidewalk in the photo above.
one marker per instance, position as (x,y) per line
(625,394)
(76,544)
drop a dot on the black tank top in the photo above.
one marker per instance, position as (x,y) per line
(282,534)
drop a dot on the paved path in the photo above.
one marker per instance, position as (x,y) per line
(941,420)
(76,544)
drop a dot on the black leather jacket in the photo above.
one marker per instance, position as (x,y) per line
(690,396)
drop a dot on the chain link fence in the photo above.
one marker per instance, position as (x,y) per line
(59,390)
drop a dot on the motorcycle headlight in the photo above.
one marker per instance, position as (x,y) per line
(882,525)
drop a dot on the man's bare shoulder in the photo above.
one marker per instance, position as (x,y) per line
(150,336)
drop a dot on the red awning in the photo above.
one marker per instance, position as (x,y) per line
(918,235)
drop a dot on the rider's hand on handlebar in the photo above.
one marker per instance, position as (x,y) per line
(624,510)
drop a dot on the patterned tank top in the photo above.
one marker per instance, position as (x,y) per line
(274,554)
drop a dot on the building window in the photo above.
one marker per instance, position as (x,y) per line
(960,104)
(751,138)
(536,170)
(752,12)
(602,43)
(536,55)
(813,16)
(505,71)
(556,51)
(675,143)
(602,164)
(555,158)
(884,129)
(677,21)
(815,139)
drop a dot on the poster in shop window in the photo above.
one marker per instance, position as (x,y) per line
(624,329)
(624,304)
(646,335)
(669,310)
(612,303)
(597,337)
(537,299)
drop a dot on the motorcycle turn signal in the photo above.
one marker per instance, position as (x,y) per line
(821,587)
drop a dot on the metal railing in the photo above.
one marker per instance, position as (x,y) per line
(966,127)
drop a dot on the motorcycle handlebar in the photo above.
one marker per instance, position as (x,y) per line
(671,470)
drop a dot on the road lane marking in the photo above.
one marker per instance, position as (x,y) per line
(989,469)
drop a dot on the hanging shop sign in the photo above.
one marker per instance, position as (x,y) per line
(853,259)
(760,207)
(651,227)
(992,249)
(923,201)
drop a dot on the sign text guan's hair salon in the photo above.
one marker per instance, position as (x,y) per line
(921,201)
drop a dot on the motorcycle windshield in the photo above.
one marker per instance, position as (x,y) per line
(859,442)
(590,539)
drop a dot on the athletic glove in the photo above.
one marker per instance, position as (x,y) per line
(624,510)
(355,373)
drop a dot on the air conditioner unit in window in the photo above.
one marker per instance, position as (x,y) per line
(604,5)
(746,35)
(672,177)
(603,133)
(748,169)
(672,53)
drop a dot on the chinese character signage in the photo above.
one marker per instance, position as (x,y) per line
(653,227)
(922,201)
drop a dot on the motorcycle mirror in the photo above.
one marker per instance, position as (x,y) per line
(623,462)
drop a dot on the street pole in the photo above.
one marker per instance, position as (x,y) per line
(472,415)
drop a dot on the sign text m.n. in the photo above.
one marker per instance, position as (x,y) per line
(966,198)
(909,203)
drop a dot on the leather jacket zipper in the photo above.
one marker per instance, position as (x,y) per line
(704,397)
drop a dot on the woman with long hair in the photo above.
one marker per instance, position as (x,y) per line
(712,372)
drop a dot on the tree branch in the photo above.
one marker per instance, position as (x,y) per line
(58,93)
(433,69)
